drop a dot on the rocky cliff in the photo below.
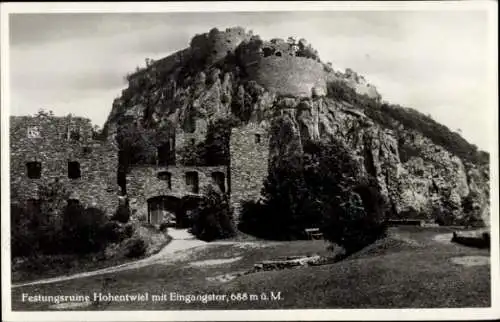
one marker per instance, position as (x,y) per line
(424,169)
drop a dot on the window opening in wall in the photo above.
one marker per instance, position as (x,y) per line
(190,125)
(165,176)
(257,138)
(278,54)
(34,170)
(87,150)
(74,170)
(74,135)
(219,179)
(192,181)
(73,202)
(192,141)
(267,51)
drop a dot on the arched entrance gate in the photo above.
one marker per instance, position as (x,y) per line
(172,210)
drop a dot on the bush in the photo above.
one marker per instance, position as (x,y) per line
(213,218)
(22,237)
(128,231)
(84,229)
(112,231)
(252,219)
(135,247)
(164,227)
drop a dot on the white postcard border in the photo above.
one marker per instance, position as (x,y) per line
(277,315)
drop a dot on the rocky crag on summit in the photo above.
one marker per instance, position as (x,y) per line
(236,79)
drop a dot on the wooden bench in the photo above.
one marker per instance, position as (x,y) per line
(313,233)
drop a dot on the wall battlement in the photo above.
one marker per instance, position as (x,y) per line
(289,68)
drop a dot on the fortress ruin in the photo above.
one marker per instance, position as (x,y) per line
(48,148)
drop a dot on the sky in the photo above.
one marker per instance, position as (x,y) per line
(433,61)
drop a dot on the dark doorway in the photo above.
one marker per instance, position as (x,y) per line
(165,209)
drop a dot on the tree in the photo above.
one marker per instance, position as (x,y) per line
(213,218)
(44,113)
(357,218)
(321,188)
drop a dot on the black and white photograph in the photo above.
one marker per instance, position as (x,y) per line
(204,161)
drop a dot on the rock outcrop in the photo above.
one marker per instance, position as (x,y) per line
(421,178)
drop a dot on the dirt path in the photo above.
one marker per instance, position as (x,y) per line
(175,250)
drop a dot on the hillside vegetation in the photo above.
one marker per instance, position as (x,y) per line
(424,169)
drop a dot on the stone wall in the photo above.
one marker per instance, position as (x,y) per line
(48,140)
(163,65)
(143,183)
(183,138)
(216,44)
(356,82)
(288,75)
(249,163)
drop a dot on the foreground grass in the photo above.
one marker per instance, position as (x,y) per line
(47,266)
(406,270)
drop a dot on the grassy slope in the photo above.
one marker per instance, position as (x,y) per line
(47,266)
(393,273)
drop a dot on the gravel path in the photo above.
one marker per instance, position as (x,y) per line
(172,252)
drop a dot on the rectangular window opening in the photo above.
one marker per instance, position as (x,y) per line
(34,170)
(192,181)
(74,170)
(166,176)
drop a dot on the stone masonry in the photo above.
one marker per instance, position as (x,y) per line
(146,182)
(249,149)
(46,148)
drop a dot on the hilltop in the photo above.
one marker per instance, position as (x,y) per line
(232,79)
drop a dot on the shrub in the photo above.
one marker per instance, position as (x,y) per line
(252,219)
(22,238)
(213,218)
(112,231)
(164,227)
(128,231)
(341,91)
(84,230)
(135,247)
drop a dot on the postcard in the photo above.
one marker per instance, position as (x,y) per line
(214,161)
